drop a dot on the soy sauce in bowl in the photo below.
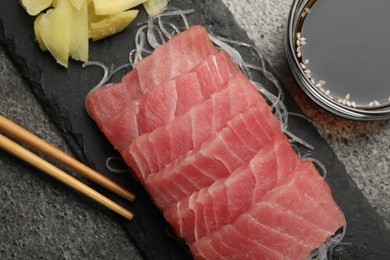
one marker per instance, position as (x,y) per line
(339,52)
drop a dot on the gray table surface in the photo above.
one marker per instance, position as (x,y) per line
(40,218)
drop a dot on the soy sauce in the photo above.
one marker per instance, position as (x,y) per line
(346,43)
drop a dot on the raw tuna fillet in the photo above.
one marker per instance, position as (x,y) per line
(152,152)
(287,223)
(187,90)
(216,158)
(208,149)
(180,54)
(160,105)
(316,198)
(105,103)
(221,203)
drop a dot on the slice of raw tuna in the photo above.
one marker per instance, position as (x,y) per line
(188,131)
(105,103)
(315,198)
(177,96)
(221,203)
(229,243)
(216,158)
(120,131)
(250,238)
(292,219)
(160,105)
(180,54)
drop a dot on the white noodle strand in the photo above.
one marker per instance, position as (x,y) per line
(320,164)
(279,109)
(175,29)
(233,53)
(321,253)
(169,12)
(104,80)
(299,115)
(113,169)
(151,34)
(140,39)
(273,80)
(299,140)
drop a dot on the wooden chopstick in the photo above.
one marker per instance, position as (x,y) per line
(11,129)
(36,161)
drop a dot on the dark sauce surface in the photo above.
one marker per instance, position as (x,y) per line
(348,46)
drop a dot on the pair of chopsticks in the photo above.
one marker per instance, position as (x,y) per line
(13,130)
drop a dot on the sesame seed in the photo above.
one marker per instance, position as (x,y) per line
(371,104)
(348,96)
(307,62)
(299,54)
(318,85)
(327,92)
(305,12)
(299,49)
(353,104)
(303,66)
(349,103)
(299,35)
(298,42)
(376,103)
(322,82)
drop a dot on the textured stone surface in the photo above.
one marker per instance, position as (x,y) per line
(46,227)
(38,214)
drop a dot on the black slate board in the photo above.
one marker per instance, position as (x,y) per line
(62,94)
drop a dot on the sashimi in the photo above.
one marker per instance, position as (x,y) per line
(188,131)
(289,219)
(188,48)
(120,131)
(315,203)
(231,244)
(187,90)
(181,54)
(221,203)
(216,158)
(104,104)
(213,157)
(160,105)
